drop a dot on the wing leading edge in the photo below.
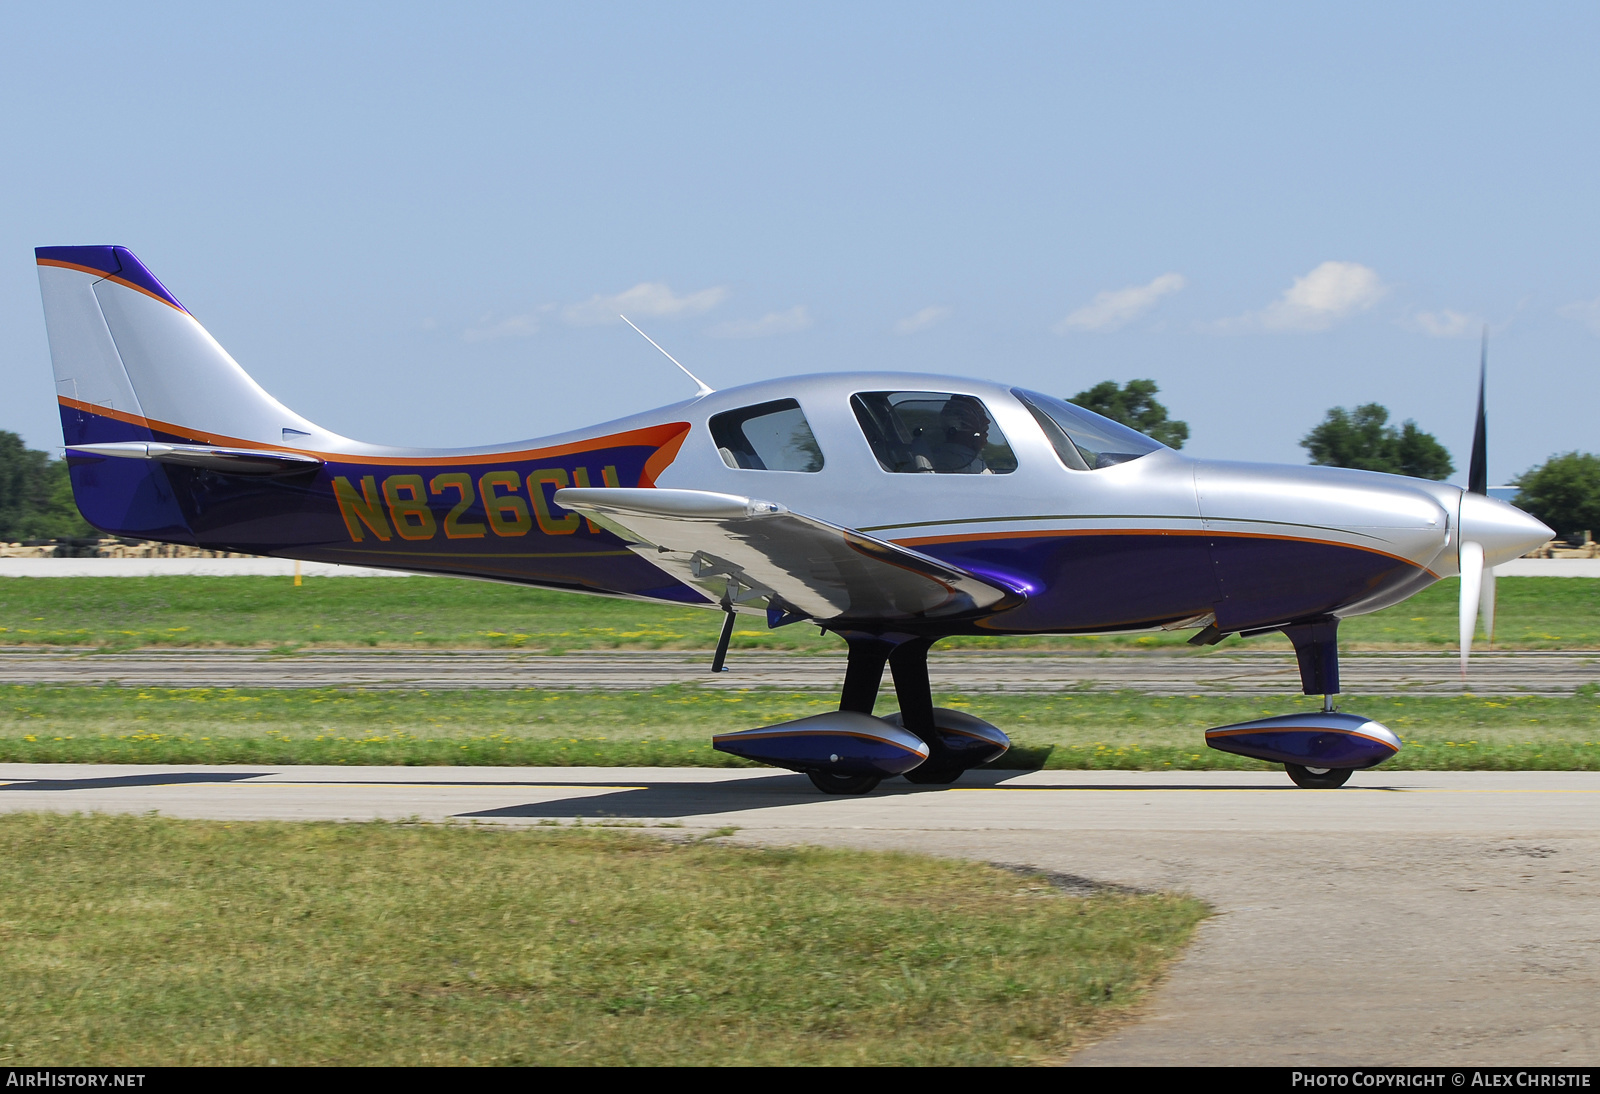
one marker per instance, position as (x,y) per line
(751,553)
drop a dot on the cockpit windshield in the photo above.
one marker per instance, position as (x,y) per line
(1084,440)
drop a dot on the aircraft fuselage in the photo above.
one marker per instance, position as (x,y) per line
(1162,540)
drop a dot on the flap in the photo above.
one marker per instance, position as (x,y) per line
(759,554)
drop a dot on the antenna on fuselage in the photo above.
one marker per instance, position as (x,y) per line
(705,389)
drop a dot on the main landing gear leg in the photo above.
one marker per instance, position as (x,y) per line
(863,675)
(1316,647)
(909,666)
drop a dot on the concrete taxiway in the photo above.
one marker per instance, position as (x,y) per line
(1183,673)
(1412,917)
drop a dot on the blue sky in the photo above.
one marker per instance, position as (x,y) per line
(410,223)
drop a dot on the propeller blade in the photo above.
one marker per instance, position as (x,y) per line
(1486,603)
(1478,469)
(1472,576)
(1471,586)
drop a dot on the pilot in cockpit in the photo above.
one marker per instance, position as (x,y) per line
(966,431)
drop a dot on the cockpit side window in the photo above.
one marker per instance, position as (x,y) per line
(1084,440)
(932,433)
(771,436)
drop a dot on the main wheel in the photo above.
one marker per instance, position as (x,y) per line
(929,775)
(843,784)
(1318,778)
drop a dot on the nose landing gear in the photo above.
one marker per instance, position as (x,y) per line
(1320,778)
(1319,751)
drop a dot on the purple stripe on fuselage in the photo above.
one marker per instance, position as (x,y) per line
(1090,583)
(1114,581)
(301,516)
(1267,580)
(113,262)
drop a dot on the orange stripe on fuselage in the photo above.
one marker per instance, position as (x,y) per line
(662,458)
(102,275)
(667,438)
(971,537)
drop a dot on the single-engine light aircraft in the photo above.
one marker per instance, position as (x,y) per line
(891,509)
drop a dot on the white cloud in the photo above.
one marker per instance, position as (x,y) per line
(1118,307)
(1586,312)
(648,299)
(1329,293)
(924,319)
(1445,324)
(795,319)
(489,329)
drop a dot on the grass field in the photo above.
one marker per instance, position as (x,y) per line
(673,727)
(133,941)
(1534,613)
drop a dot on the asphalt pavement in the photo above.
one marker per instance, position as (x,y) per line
(1447,918)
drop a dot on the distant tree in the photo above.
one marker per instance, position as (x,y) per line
(1134,405)
(1420,455)
(1564,492)
(1363,438)
(35,495)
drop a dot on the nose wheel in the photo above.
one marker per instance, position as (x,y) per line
(1318,778)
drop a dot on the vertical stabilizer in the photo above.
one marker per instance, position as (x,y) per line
(88,369)
(131,363)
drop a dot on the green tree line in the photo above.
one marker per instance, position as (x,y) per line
(35,495)
(1564,492)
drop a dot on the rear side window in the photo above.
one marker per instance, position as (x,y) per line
(932,433)
(771,436)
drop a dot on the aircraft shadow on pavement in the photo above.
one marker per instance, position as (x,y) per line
(681,799)
(114,781)
(671,800)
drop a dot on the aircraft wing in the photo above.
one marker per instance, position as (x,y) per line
(750,551)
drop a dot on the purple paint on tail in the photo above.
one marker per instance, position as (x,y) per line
(112,261)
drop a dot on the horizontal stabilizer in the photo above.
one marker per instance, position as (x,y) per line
(230,461)
(753,553)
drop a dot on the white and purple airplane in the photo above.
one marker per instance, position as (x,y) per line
(892,509)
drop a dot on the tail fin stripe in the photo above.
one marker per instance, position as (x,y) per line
(113,263)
